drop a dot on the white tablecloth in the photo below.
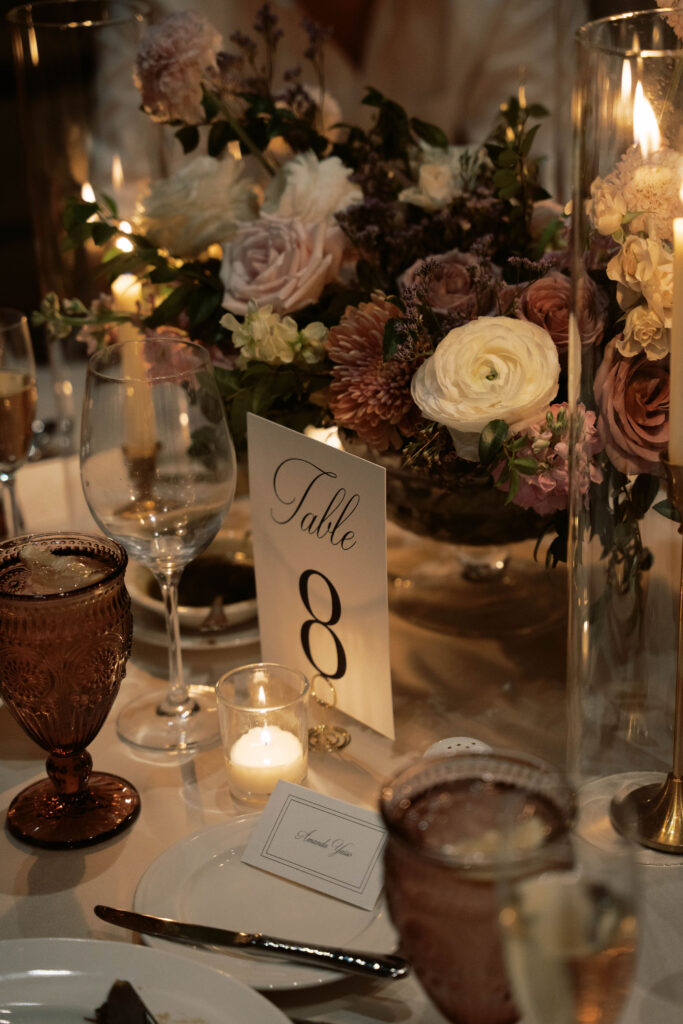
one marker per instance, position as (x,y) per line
(507,693)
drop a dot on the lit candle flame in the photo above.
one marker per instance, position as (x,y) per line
(116,172)
(645,128)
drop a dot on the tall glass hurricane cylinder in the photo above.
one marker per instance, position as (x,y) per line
(625,548)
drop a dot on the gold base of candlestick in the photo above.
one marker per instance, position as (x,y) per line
(652,815)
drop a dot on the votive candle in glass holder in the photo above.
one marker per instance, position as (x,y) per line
(263,715)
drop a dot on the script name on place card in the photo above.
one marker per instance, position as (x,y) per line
(320,842)
(320,555)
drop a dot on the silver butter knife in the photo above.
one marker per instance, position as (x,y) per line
(356,962)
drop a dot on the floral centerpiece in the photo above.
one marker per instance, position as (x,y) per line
(413,293)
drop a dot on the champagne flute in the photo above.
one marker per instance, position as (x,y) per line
(158,473)
(17,406)
(569,932)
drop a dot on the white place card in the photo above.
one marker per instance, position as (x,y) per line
(322,843)
(320,554)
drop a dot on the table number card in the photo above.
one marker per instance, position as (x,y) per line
(325,844)
(319,532)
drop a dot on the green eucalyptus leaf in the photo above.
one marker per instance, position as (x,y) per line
(219,136)
(529,139)
(102,233)
(668,510)
(643,493)
(507,158)
(78,212)
(491,440)
(432,135)
(528,466)
(537,110)
(188,137)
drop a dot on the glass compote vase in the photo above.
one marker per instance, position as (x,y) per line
(65,641)
(158,473)
(464,560)
(456,824)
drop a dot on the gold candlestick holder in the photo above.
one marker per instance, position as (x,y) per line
(653,814)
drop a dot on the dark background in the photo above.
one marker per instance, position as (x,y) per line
(18,275)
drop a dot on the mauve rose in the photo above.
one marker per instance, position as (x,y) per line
(633,401)
(281,262)
(547,301)
(449,284)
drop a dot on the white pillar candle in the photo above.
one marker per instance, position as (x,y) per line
(676,357)
(140,432)
(262,756)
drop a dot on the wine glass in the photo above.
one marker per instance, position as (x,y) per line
(569,932)
(17,406)
(451,823)
(66,630)
(158,473)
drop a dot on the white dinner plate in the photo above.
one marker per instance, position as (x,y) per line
(150,629)
(201,879)
(63,981)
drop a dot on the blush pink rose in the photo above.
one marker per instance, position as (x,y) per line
(547,302)
(450,284)
(633,403)
(280,261)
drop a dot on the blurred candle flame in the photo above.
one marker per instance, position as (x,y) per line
(645,128)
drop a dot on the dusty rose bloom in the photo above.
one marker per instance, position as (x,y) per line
(546,302)
(174,59)
(367,394)
(449,284)
(280,261)
(633,401)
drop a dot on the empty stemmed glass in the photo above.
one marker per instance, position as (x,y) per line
(158,473)
(17,406)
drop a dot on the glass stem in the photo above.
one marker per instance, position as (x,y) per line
(177,701)
(14,520)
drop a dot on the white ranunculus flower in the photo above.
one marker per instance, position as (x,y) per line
(606,208)
(489,369)
(311,190)
(644,331)
(197,206)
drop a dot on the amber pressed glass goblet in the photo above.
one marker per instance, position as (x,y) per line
(64,644)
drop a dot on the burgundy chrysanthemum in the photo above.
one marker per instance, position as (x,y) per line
(369,395)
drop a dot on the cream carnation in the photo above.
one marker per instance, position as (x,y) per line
(312,190)
(491,368)
(175,58)
(281,262)
(606,207)
(439,177)
(273,339)
(644,331)
(198,205)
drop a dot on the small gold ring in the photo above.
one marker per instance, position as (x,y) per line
(330,701)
